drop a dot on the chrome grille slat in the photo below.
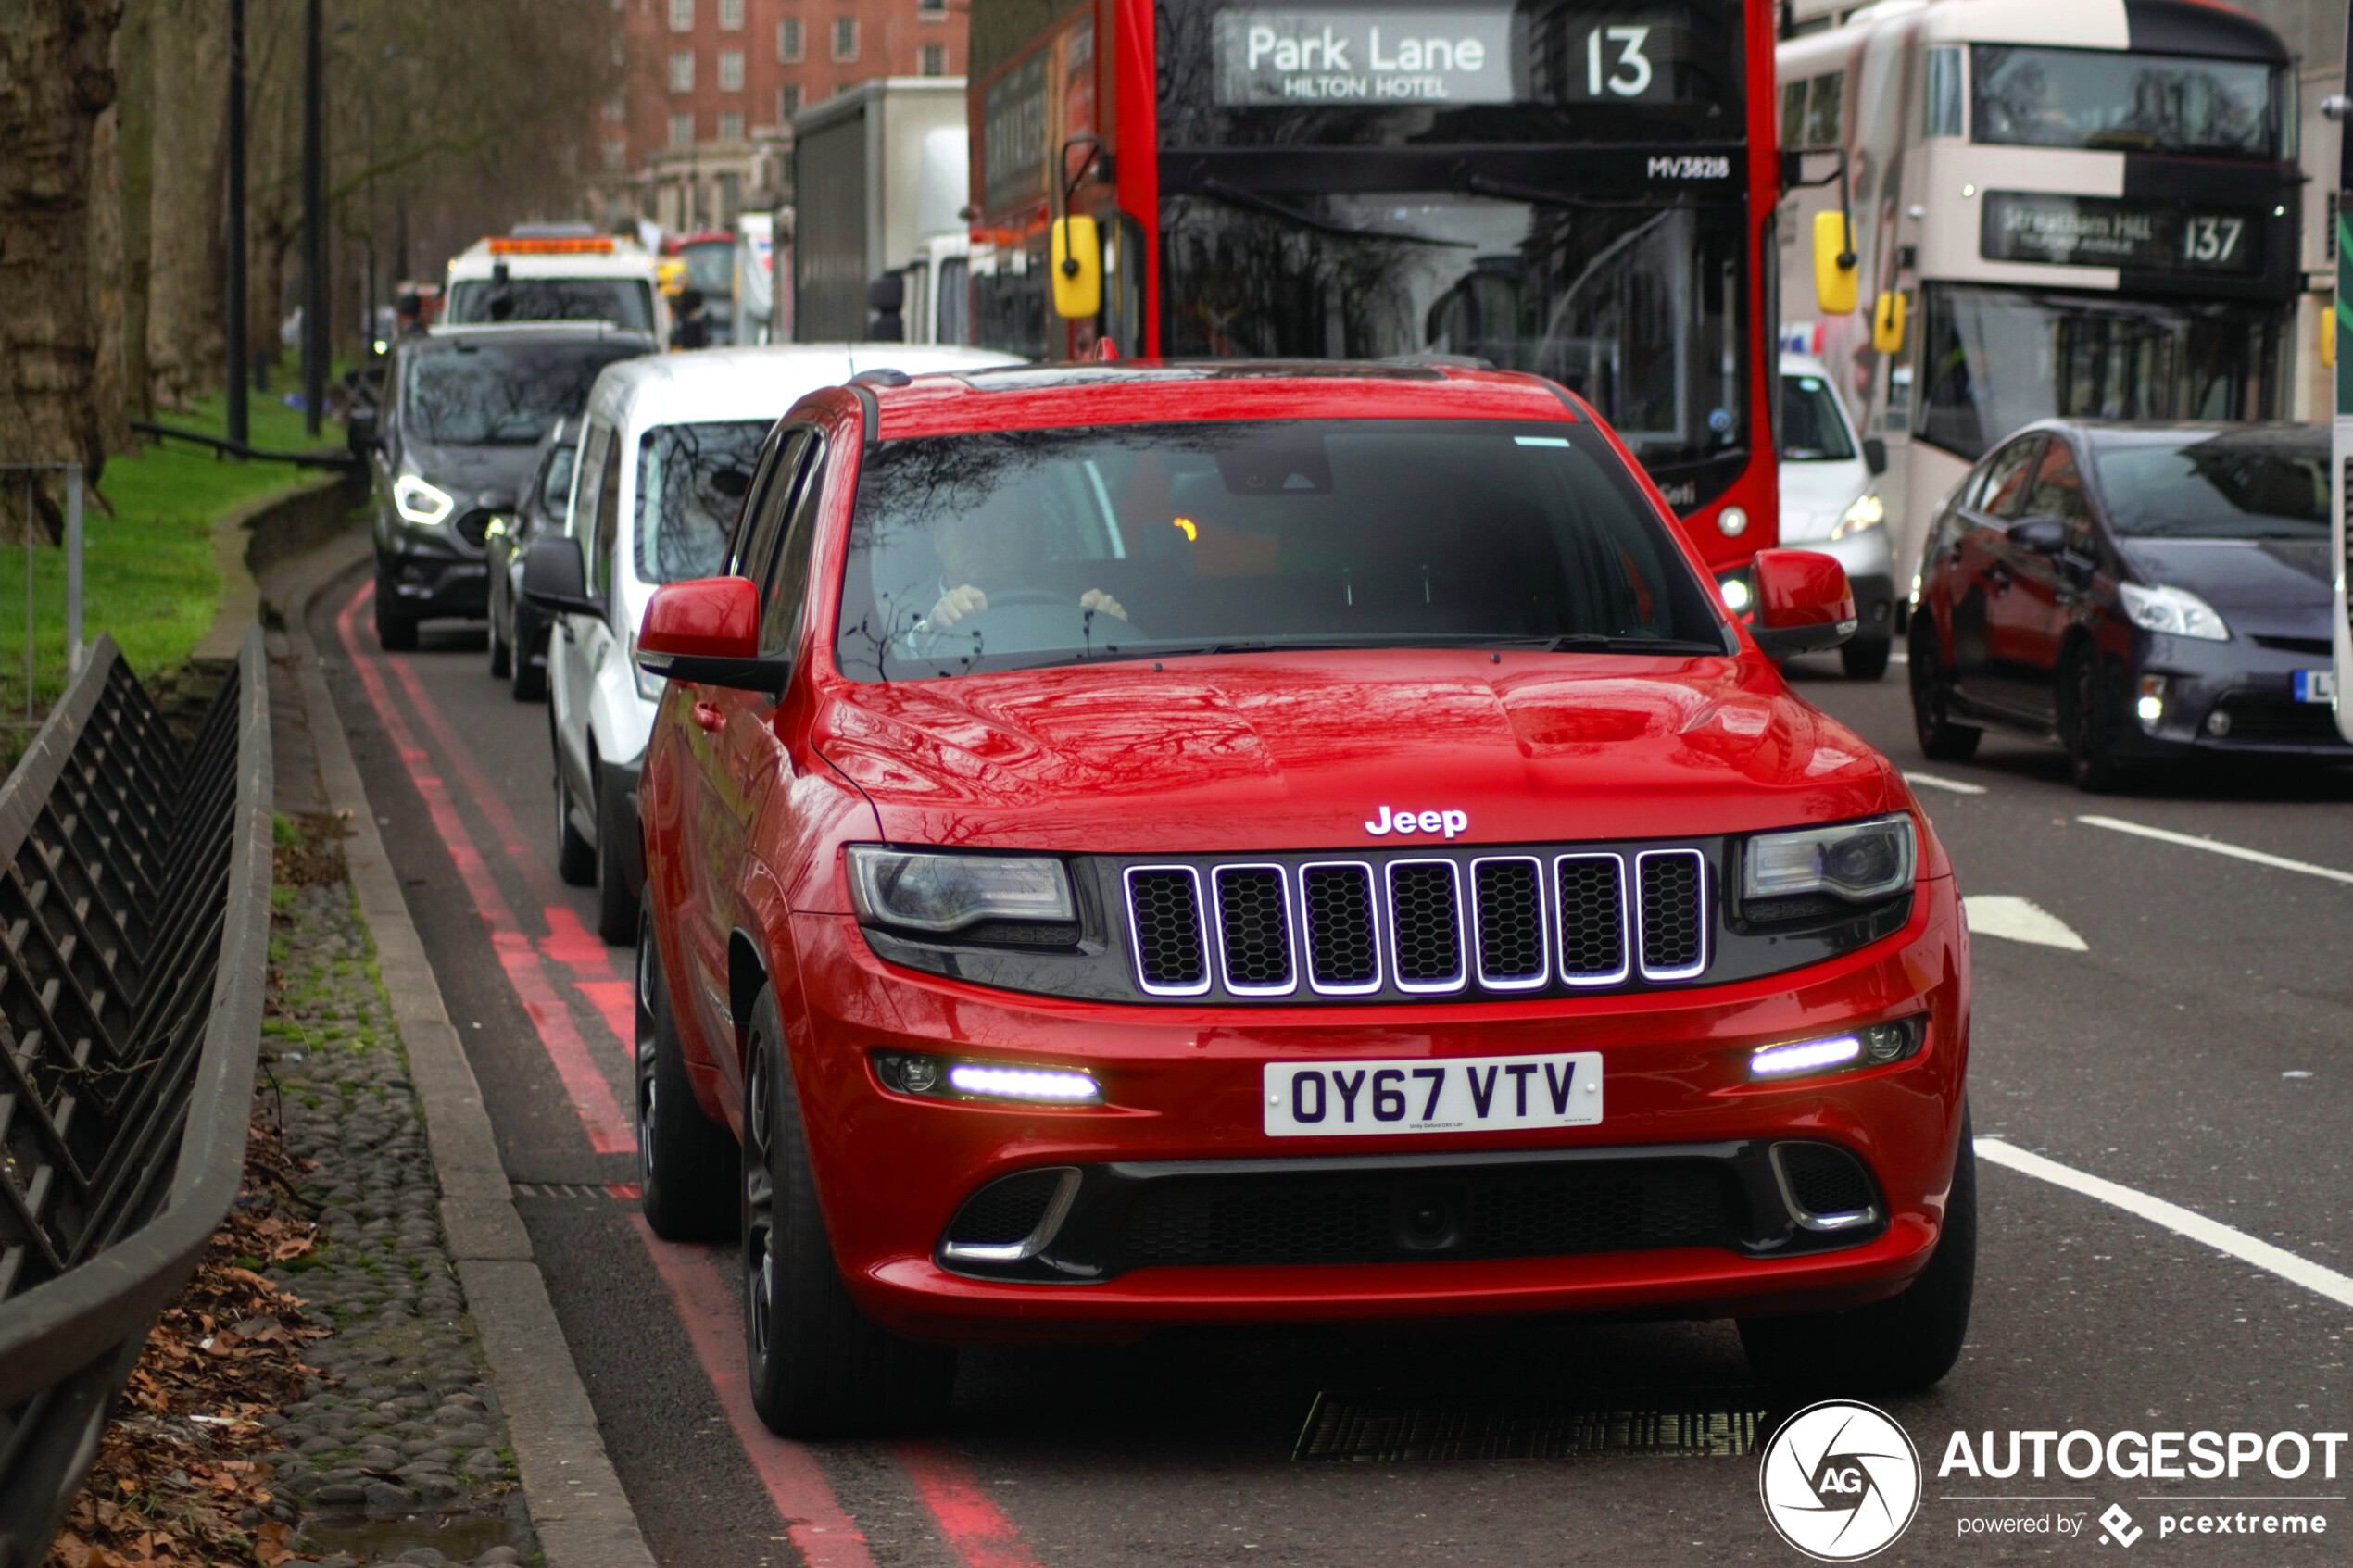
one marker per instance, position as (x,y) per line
(1592,917)
(1673,895)
(1343,928)
(1164,912)
(1426,926)
(1254,928)
(1510,924)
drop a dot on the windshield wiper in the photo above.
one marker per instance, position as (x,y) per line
(1505,190)
(1235,196)
(1602,642)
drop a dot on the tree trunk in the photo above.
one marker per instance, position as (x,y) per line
(55,81)
(188,266)
(106,280)
(136,125)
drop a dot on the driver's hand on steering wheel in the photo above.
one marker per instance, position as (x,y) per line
(1095,599)
(953,605)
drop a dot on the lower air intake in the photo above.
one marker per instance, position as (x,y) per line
(1824,1180)
(1006,1212)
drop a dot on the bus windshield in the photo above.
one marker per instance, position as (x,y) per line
(1020,549)
(1995,359)
(1641,311)
(2121,102)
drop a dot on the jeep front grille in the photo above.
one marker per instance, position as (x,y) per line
(1421,923)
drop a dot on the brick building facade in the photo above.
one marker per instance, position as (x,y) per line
(700,128)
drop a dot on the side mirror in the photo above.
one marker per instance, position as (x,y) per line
(553,579)
(1077,262)
(1804,603)
(2043,536)
(1875,455)
(360,431)
(706,632)
(1837,283)
(1887,323)
(887,297)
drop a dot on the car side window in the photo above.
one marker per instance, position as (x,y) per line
(2059,488)
(2008,476)
(592,458)
(773,506)
(763,474)
(608,529)
(788,589)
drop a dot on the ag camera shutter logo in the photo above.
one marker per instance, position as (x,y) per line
(1840,1481)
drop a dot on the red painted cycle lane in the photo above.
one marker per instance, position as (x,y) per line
(969,1521)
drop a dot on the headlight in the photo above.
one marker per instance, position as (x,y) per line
(1868,512)
(2174,610)
(426,505)
(925,891)
(1857,861)
(1735,592)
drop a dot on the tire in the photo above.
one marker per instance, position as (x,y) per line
(1941,740)
(529,682)
(616,829)
(575,857)
(500,659)
(395,632)
(1867,661)
(2084,724)
(1899,1346)
(819,1366)
(687,1162)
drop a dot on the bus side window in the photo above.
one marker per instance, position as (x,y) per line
(1793,114)
(1941,103)
(1824,98)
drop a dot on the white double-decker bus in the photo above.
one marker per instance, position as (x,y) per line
(2080,207)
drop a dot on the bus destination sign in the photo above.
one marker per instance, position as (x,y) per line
(2111,231)
(1306,57)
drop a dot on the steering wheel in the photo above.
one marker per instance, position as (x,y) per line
(1021,619)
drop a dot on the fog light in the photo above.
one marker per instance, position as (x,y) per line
(1732,521)
(935,1077)
(2151,705)
(2218,723)
(1735,592)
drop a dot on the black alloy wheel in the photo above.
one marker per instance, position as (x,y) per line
(529,682)
(1941,739)
(1899,1346)
(575,857)
(819,1366)
(616,830)
(501,658)
(687,1162)
(395,632)
(2085,716)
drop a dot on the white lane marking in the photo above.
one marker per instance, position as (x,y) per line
(2216,846)
(2233,1243)
(1955,786)
(2018,920)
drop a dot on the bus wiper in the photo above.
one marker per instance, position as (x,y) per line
(1602,642)
(1235,196)
(1505,190)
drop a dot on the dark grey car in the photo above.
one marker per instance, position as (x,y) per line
(2132,592)
(463,412)
(519,632)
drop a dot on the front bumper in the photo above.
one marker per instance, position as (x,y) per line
(2251,685)
(1183,1088)
(430,573)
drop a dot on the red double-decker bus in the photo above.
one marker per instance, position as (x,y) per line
(1584,189)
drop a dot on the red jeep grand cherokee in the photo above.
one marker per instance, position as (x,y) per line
(1250,842)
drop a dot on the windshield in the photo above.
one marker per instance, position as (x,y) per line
(2121,102)
(1641,311)
(710,267)
(2236,485)
(1996,359)
(1025,548)
(625,302)
(691,480)
(1812,430)
(501,394)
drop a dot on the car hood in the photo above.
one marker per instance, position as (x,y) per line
(1272,752)
(1816,495)
(466,471)
(2282,584)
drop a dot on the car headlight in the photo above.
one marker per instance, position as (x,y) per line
(1860,862)
(426,504)
(1868,511)
(931,892)
(1735,594)
(2176,611)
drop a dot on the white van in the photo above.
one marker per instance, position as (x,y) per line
(666,451)
(1831,503)
(557,278)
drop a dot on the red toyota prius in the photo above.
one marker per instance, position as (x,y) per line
(1250,842)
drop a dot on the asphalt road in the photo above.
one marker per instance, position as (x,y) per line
(2194,1049)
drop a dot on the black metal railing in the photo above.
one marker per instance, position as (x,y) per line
(134,928)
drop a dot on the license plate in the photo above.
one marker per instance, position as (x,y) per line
(2316,686)
(1307,1099)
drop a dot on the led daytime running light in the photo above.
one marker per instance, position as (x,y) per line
(1807,1056)
(1021,1083)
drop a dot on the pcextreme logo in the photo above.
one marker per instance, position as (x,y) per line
(1840,1481)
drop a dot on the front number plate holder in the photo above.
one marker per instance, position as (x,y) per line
(1473,1094)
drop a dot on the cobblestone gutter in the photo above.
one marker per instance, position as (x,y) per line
(399,1449)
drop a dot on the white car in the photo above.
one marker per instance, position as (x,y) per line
(1831,503)
(667,448)
(567,277)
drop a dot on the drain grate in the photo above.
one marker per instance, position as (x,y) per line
(1658,1422)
